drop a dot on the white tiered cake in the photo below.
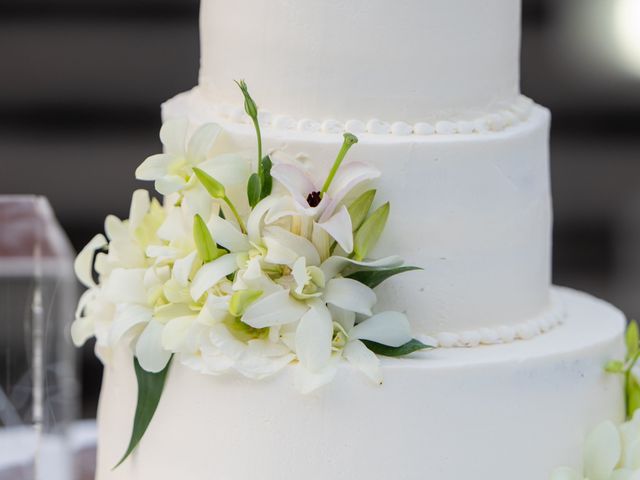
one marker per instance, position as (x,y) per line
(430,87)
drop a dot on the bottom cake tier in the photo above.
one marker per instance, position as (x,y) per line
(501,412)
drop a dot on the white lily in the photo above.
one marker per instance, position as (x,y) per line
(172,169)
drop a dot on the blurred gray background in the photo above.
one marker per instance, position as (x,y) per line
(81,83)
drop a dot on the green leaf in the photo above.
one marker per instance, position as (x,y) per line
(214,187)
(614,366)
(633,395)
(360,207)
(387,351)
(254,189)
(206,246)
(265,177)
(150,387)
(373,278)
(369,233)
(632,339)
(241,300)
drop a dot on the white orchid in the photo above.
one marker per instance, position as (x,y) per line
(610,453)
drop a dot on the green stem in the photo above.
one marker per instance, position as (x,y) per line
(243,228)
(349,141)
(627,381)
(259,135)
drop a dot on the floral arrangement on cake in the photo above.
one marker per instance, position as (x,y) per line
(248,265)
(612,452)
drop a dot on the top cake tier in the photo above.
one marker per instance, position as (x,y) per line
(409,60)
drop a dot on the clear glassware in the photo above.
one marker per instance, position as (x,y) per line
(38,382)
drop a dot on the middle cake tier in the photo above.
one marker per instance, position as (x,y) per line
(473,210)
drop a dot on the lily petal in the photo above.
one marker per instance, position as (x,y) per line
(363,359)
(83,264)
(212,273)
(350,295)
(151,355)
(313,338)
(275,309)
(347,179)
(388,328)
(340,228)
(295,180)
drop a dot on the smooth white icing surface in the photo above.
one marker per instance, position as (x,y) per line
(496,412)
(473,210)
(413,61)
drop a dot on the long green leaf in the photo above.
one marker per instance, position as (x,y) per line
(387,351)
(150,387)
(373,278)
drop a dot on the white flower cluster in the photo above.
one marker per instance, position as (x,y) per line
(610,453)
(223,286)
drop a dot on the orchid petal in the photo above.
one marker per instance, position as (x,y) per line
(332,266)
(387,328)
(363,359)
(340,228)
(173,134)
(284,247)
(295,180)
(227,235)
(152,357)
(307,381)
(114,227)
(155,166)
(313,338)
(350,295)
(624,474)
(175,332)
(602,451)
(174,226)
(201,142)
(140,205)
(83,328)
(300,275)
(170,184)
(254,222)
(182,268)
(126,318)
(83,264)
(126,286)
(275,309)
(346,318)
(212,273)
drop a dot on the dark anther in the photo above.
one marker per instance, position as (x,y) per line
(314,199)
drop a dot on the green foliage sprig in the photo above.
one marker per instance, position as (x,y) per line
(631,385)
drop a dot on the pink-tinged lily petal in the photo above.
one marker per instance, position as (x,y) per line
(126,286)
(363,359)
(275,309)
(350,295)
(284,247)
(212,273)
(170,184)
(175,333)
(307,381)
(313,338)
(155,166)
(332,266)
(173,135)
(83,264)
(149,351)
(340,228)
(226,234)
(387,328)
(126,318)
(602,451)
(201,142)
(182,268)
(140,204)
(295,180)
(347,179)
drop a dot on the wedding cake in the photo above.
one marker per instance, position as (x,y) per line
(424,96)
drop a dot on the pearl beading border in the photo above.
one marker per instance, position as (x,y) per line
(554,317)
(518,112)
